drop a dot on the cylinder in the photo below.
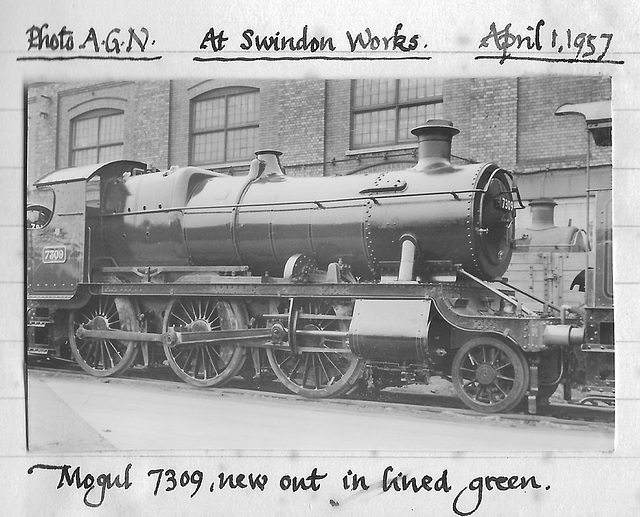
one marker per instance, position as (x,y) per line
(385,331)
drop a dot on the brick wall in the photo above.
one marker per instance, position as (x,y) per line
(74,100)
(456,96)
(493,128)
(301,121)
(556,141)
(337,126)
(291,121)
(484,110)
(508,121)
(51,108)
(42,121)
(150,132)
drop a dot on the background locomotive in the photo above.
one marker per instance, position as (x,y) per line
(551,263)
(326,275)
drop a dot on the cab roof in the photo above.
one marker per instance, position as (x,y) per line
(86,172)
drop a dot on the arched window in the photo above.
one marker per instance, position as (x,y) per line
(384,111)
(224,125)
(97,136)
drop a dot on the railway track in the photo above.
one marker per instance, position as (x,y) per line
(430,400)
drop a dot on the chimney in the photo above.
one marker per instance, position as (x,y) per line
(434,143)
(542,213)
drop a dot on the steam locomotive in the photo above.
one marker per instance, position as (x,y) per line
(561,267)
(379,278)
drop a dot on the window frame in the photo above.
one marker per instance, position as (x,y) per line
(99,114)
(218,93)
(397,105)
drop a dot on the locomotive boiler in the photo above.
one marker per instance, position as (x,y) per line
(186,216)
(375,278)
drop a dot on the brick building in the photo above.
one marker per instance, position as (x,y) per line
(326,127)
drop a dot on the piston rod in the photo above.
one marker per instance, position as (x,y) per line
(241,337)
(120,335)
(171,338)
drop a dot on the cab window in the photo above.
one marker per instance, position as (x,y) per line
(40,208)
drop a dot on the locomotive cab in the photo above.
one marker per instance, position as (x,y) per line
(63,240)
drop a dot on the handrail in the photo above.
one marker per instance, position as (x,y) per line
(317,203)
(498,292)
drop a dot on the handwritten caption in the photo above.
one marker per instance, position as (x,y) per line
(364,40)
(466,500)
(576,46)
(113,41)
(535,42)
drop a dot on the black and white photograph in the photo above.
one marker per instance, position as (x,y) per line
(308,259)
(418,253)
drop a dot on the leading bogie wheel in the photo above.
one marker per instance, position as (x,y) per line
(104,357)
(489,375)
(205,365)
(328,368)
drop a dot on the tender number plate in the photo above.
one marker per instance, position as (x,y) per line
(54,255)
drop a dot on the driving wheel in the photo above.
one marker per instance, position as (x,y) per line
(202,364)
(320,364)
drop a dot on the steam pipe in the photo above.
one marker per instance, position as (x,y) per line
(407,259)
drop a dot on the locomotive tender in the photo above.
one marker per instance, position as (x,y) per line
(335,279)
